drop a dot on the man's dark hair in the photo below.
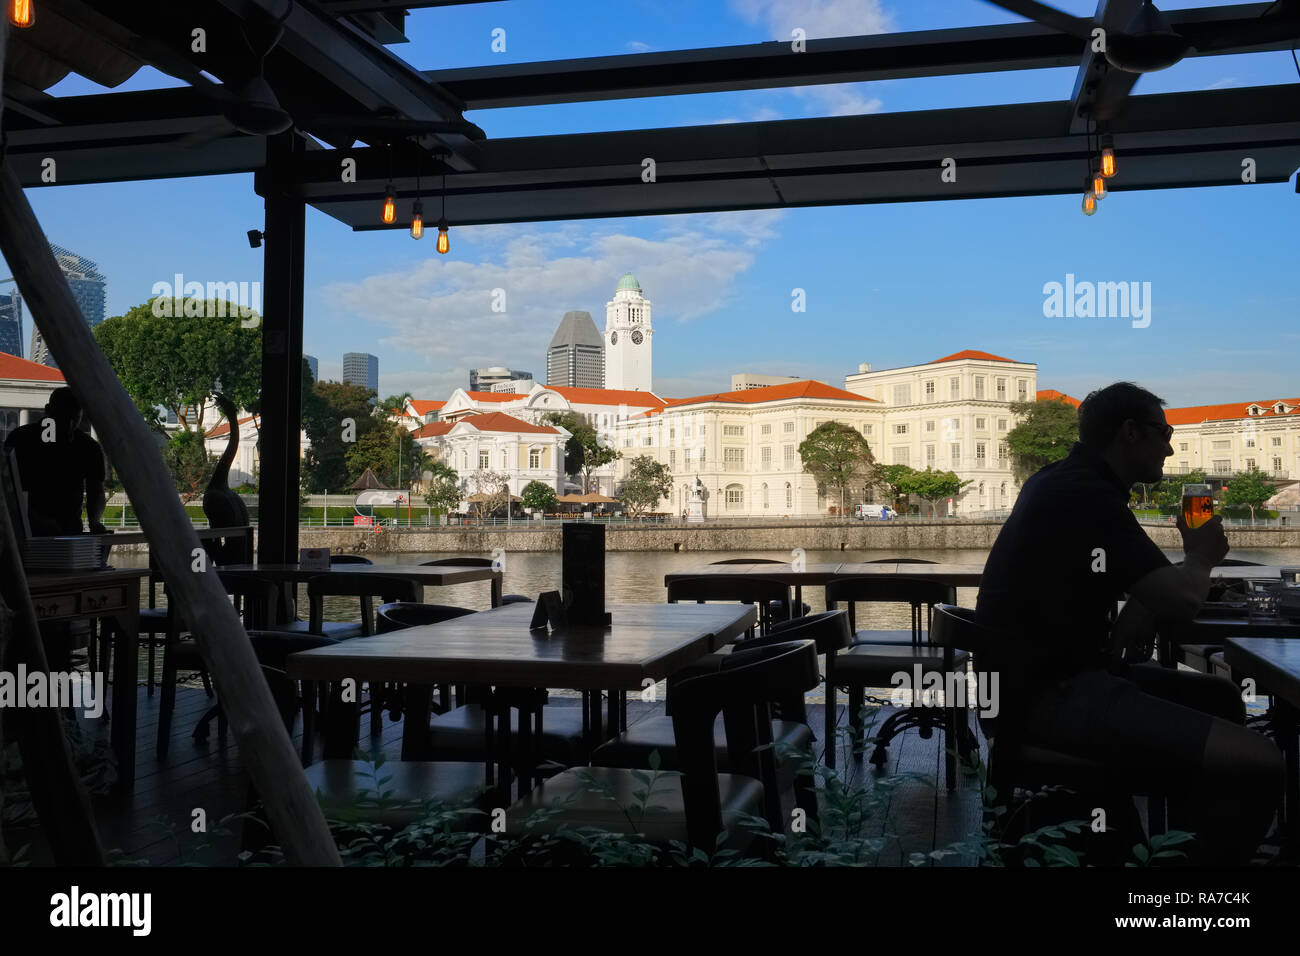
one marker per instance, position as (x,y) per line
(62,405)
(1103,412)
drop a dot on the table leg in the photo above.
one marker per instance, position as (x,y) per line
(496,589)
(342,724)
(125,664)
(415,722)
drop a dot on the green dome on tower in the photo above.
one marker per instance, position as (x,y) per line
(628,282)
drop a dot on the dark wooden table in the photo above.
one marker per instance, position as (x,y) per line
(644,643)
(111,595)
(1274,662)
(422,576)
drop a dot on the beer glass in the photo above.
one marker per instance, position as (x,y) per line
(1198,505)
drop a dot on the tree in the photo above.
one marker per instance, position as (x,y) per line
(1168,495)
(585,451)
(390,451)
(1249,488)
(188,461)
(335,416)
(892,480)
(493,492)
(394,406)
(933,486)
(443,491)
(838,457)
(180,361)
(539,496)
(1046,432)
(647,483)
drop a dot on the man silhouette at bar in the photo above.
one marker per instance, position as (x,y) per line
(1069,551)
(57,461)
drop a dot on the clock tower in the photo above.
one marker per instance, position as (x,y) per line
(628,337)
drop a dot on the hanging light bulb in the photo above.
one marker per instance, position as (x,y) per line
(444,241)
(21,13)
(390,206)
(417,221)
(1089,203)
(1108,156)
(1099,185)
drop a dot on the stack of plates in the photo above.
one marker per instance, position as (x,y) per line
(70,553)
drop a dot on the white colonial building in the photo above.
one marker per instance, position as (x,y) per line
(628,338)
(500,443)
(1240,436)
(25,387)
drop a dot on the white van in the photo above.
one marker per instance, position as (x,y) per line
(879,512)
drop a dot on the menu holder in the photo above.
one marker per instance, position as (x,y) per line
(584,574)
(314,559)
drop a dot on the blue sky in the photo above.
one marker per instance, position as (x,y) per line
(886,284)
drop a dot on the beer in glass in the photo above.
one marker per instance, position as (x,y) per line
(1198,505)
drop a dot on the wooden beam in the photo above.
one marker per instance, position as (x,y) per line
(294,815)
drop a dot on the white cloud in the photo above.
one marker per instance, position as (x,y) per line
(636,46)
(817,18)
(1223,83)
(839,99)
(439,312)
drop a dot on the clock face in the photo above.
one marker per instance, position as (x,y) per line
(613,338)
(637,338)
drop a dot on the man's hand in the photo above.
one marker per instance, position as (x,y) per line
(97,528)
(1207,544)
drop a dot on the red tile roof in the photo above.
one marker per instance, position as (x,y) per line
(423,407)
(1046,394)
(492,396)
(1195,414)
(971,354)
(607,396)
(432,430)
(501,422)
(11,366)
(769,393)
(224,427)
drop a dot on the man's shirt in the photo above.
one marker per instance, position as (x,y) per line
(54,475)
(1069,551)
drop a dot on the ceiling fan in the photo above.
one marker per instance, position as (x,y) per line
(252,107)
(1149,43)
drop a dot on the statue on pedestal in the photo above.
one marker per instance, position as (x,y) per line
(696,512)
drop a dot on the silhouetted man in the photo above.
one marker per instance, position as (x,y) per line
(57,462)
(1070,549)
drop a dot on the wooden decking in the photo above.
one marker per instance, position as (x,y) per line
(154,826)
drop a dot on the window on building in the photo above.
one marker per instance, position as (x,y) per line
(787,457)
(1277,441)
(954,424)
(702,430)
(955,448)
(1022,390)
(1001,386)
(929,426)
(735,497)
(627,443)
(1277,464)
(1221,445)
(1250,441)
(929,456)
(672,458)
(788,428)
(979,386)
(980,453)
(1182,446)
(534,458)
(900,429)
(733,431)
(647,441)
(1002,424)
(900,454)
(464,460)
(954,388)
(701,457)
(686,431)
(686,457)
(866,429)
(1002,452)
(1222,466)
(929,390)
(505,460)
(1250,464)
(789,495)
(733,459)
(765,429)
(765,456)
(980,424)
(672,434)
(902,394)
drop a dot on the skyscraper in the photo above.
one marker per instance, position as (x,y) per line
(11,323)
(313,363)
(89,289)
(628,337)
(576,356)
(361,368)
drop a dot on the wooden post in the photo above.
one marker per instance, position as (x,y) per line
(295,816)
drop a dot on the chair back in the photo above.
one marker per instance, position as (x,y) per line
(829,631)
(745,588)
(461,562)
(919,594)
(748,561)
(254,597)
(400,615)
(899,561)
(745,684)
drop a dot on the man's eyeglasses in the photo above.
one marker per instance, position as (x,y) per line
(1164,428)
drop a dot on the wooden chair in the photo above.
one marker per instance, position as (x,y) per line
(780,612)
(790,727)
(875,665)
(744,588)
(398,615)
(475,563)
(698,803)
